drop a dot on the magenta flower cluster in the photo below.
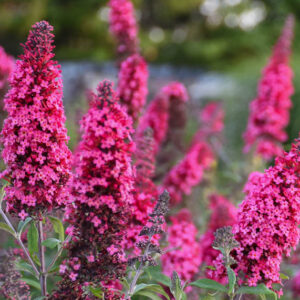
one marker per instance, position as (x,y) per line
(34,135)
(188,172)
(157,115)
(268,219)
(123,26)
(132,85)
(269,112)
(6,67)
(183,252)
(101,195)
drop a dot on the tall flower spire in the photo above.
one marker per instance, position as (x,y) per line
(132,85)
(123,26)
(101,196)
(157,116)
(268,219)
(34,134)
(269,112)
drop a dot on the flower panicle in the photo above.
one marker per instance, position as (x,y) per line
(270,110)
(132,85)
(34,134)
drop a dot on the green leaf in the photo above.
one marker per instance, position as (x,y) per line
(152,288)
(176,287)
(125,283)
(262,297)
(23,224)
(284,276)
(6,228)
(32,283)
(231,280)
(51,243)
(149,295)
(209,267)
(260,289)
(32,237)
(36,259)
(209,285)
(157,276)
(40,298)
(96,291)
(58,227)
(24,267)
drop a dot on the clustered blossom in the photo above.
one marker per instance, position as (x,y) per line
(123,26)
(268,219)
(223,213)
(183,252)
(145,191)
(101,196)
(132,85)
(6,68)
(34,135)
(296,285)
(188,172)
(164,113)
(269,112)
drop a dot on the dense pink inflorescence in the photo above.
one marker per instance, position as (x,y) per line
(157,115)
(101,196)
(34,135)
(269,112)
(296,285)
(132,85)
(123,26)
(268,219)
(188,172)
(145,191)
(223,213)
(6,67)
(183,252)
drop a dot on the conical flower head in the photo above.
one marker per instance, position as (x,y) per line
(101,192)
(270,111)
(268,219)
(34,134)
(123,26)
(132,85)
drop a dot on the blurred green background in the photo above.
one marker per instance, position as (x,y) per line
(233,37)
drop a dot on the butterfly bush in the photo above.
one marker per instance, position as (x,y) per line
(101,196)
(183,252)
(269,112)
(132,85)
(123,26)
(145,191)
(223,213)
(268,219)
(188,172)
(157,115)
(34,135)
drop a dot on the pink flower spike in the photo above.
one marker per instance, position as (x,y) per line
(270,111)
(34,134)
